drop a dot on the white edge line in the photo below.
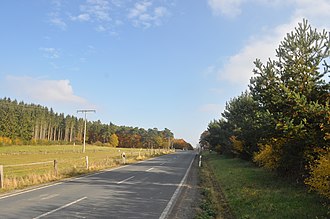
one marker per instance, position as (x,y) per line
(57,209)
(30,190)
(175,195)
(73,179)
(125,180)
(63,181)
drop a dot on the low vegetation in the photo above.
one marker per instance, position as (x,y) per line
(213,202)
(38,162)
(252,192)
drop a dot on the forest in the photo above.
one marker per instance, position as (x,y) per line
(282,122)
(22,124)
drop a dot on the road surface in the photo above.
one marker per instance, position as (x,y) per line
(144,190)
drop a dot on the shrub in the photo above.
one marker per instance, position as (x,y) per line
(269,155)
(238,145)
(5,141)
(319,179)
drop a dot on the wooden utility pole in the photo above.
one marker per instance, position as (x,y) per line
(85,111)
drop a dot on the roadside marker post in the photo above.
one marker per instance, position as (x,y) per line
(1,176)
(55,167)
(200,161)
(87,167)
(123,155)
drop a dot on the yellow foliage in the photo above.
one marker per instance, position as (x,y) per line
(18,141)
(5,141)
(237,145)
(319,179)
(269,154)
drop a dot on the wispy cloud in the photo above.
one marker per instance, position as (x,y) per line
(50,52)
(238,67)
(95,9)
(55,16)
(229,8)
(233,8)
(57,21)
(107,15)
(81,17)
(145,15)
(43,90)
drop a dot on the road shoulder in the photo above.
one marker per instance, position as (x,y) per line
(188,203)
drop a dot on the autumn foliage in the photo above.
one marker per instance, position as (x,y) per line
(283,121)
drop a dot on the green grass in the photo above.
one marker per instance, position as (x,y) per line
(253,192)
(70,162)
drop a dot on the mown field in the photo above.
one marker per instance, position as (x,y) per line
(30,165)
(251,192)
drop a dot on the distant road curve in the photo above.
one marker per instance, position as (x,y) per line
(147,189)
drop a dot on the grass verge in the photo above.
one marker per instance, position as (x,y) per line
(70,162)
(213,202)
(252,192)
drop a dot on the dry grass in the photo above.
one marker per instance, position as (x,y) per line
(70,162)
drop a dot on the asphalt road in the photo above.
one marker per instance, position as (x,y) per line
(144,190)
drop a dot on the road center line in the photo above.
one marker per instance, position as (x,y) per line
(57,209)
(125,180)
(49,196)
(149,169)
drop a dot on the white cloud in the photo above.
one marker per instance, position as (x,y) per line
(43,90)
(97,9)
(107,15)
(238,68)
(51,53)
(143,14)
(139,9)
(230,8)
(81,17)
(233,8)
(58,22)
(55,18)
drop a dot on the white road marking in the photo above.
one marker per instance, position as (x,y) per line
(49,196)
(31,190)
(162,164)
(57,209)
(149,169)
(73,179)
(64,180)
(175,195)
(125,180)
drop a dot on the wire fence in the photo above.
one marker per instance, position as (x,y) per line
(63,167)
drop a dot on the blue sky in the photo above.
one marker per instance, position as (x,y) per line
(146,63)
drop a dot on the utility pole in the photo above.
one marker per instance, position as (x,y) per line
(85,111)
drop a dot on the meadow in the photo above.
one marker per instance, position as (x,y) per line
(32,165)
(233,188)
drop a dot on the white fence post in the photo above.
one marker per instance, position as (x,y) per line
(1,176)
(87,167)
(200,161)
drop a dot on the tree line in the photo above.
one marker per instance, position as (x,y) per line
(22,123)
(282,122)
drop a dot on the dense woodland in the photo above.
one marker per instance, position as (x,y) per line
(283,121)
(22,123)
